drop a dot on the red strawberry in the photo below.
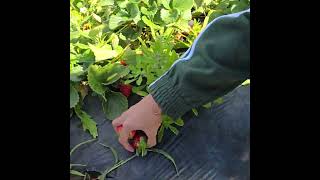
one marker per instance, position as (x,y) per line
(136,142)
(122,62)
(125,89)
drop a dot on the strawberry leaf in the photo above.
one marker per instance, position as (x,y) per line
(74,97)
(166,3)
(87,122)
(218,101)
(103,53)
(195,111)
(208,105)
(182,4)
(142,93)
(106,2)
(96,75)
(75,73)
(169,16)
(117,20)
(160,133)
(116,104)
(179,122)
(134,12)
(174,129)
(76,173)
(139,80)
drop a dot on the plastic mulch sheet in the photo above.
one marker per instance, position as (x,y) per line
(213,145)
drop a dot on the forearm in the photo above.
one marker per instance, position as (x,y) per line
(218,62)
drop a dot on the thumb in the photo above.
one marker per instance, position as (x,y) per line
(152,138)
(118,121)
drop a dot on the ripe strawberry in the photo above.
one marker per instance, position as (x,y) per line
(122,62)
(125,89)
(136,142)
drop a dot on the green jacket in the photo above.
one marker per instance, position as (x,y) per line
(217,62)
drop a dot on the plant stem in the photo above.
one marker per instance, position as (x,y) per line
(73,149)
(102,177)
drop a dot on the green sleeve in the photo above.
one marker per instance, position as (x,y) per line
(216,63)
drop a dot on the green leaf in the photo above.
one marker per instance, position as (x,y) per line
(160,133)
(81,46)
(142,93)
(115,21)
(106,2)
(198,3)
(129,81)
(135,89)
(139,80)
(103,53)
(76,173)
(115,42)
(214,15)
(96,76)
(72,165)
(145,11)
(247,82)
(96,17)
(122,37)
(169,16)
(134,1)
(116,104)
(206,20)
(122,3)
(174,129)
(182,4)
(74,97)
(98,30)
(208,105)
(165,154)
(218,101)
(186,14)
(150,23)
(116,71)
(80,144)
(166,3)
(75,73)
(134,12)
(179,122)
(87,122)
(195,111)
(240,6)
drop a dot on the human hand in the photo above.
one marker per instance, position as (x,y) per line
(144,116)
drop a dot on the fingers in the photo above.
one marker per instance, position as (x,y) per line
(152,138)
(118,121)
(123,139)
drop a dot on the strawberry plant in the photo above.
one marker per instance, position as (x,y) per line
(119,47)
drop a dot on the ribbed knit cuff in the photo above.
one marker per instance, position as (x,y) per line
(168,98)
